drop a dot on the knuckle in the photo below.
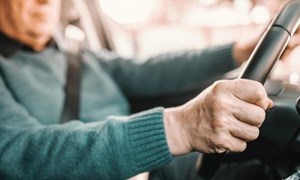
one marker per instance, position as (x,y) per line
(217,106)
(258,117)
(261,115)
(219,124)
(218,102)
(241,147)
(218,86)
(254,133)
(213,100)
(216,125)
(261,92)
(219,150)
(257,85)
(223,142)
(265,103)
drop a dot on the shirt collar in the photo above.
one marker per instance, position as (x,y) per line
(9,46)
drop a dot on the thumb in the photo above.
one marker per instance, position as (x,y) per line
(271,104)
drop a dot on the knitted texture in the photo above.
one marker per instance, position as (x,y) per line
(106,142)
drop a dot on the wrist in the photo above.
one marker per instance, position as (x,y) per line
(176,136)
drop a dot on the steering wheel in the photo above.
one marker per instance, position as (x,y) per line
(280,133)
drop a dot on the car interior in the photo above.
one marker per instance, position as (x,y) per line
(278,144)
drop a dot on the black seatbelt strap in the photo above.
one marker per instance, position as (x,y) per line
(72,86)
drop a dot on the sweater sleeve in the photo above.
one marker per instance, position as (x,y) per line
(167,73)
(115,148)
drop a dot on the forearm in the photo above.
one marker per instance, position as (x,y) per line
(171,72)
(116,147)
(112,148)
(120,147)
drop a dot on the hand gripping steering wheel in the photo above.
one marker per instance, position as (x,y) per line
(280,130)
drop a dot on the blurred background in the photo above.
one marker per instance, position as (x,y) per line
(146,27)
(142,28)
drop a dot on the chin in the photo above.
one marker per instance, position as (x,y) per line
(40,33)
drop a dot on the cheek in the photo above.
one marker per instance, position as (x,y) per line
(21,15)
(26,20)
(17,18)
(28,24)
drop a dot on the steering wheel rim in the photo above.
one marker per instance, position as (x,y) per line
(272,44)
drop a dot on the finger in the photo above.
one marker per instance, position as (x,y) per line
(248,113)
(271,104)
(295,41)
(244,131)
(251,92)
(234,144)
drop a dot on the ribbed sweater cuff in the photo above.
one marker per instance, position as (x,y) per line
(147,138)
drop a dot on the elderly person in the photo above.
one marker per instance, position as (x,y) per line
(106,142)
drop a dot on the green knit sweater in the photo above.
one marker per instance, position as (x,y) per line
(106,142)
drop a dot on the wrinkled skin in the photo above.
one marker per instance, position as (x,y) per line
(224,117)
(31,22)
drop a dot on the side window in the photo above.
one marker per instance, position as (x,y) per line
(146,27)
(142,28)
